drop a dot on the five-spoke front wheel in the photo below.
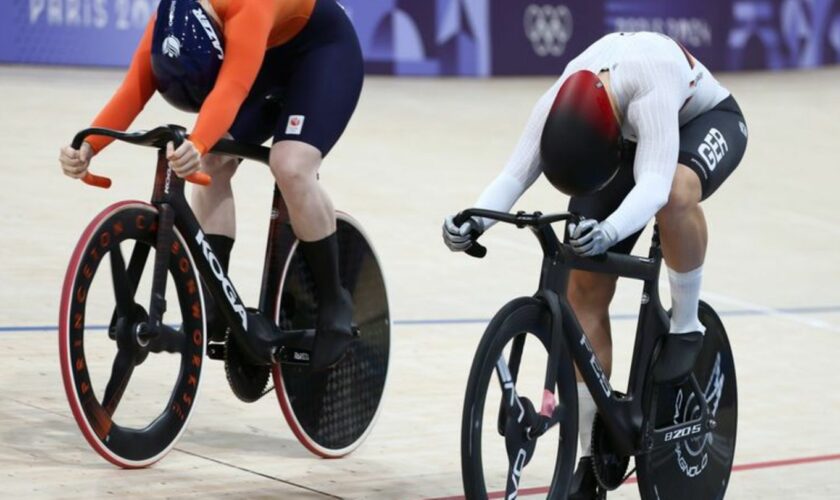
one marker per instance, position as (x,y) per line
(131,384)
(503,448)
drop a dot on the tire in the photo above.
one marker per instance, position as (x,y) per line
(332,412)
(530,317)
(98,413)
(697,469)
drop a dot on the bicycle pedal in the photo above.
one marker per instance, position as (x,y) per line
(216,350)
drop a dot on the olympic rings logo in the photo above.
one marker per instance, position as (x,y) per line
(549,28)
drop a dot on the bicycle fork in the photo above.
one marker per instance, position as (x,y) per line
(157,307)
(519,422)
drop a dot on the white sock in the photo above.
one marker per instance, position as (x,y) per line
(685,298)
(586,417)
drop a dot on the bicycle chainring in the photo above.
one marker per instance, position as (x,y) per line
(610,468)
(247,381)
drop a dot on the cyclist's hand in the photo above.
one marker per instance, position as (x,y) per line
(460,239)
(75,162)
(590,238)
(185,160)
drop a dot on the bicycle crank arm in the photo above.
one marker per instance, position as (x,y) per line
(294,347)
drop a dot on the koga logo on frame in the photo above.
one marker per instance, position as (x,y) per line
(549,28)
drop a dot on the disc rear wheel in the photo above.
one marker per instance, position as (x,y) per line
(331,412)
(699,468)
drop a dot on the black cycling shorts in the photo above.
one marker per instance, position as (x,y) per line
(315,81)
(712,145)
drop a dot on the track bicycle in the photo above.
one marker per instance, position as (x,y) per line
(682,436)
(164,333)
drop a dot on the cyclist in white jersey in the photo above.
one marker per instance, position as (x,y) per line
(635,128)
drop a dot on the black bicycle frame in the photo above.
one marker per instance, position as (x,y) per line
(168,197)
(622,414)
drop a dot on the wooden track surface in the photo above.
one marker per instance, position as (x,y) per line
(416,151)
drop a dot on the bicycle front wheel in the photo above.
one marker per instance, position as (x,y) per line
(131,389)
(509,368)
(698,468)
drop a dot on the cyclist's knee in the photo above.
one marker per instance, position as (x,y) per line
(294,165)
(221,168)
(686,193)
(591,292)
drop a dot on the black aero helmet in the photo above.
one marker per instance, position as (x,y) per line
(580,143)
(187,53)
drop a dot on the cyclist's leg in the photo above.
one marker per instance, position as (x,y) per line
(214,204)
(684,237)
(590,295)
(711,147)
(320,97)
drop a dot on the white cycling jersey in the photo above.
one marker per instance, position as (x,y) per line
(657,88)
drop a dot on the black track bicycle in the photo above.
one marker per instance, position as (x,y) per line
(133,344)
(682,437)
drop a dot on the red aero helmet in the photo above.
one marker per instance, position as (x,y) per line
(580,143)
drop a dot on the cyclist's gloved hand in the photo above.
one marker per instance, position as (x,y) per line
(590,238)
(185,160)
(460,239)
(75,162)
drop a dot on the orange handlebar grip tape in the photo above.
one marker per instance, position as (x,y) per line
(97,181)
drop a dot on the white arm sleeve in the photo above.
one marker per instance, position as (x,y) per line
(523,167)
(654,113)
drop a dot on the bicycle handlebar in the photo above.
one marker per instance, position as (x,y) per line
(520,219)
(157,137)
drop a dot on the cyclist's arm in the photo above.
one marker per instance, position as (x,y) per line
(246,29)
(523,167)
(654,113)
(131,97)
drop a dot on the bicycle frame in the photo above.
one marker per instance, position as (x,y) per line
(168,197)
(623,414)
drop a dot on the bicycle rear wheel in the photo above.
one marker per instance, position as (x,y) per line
(699,468)
(493,455)
(131,407)
(332,412)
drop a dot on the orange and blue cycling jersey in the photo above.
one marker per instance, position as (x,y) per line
(250,28)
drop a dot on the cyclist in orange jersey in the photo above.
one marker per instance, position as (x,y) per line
(222,58)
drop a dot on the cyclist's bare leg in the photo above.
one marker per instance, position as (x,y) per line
(684,236)
(213,205)
(295,166)
(590,295)
(682,225)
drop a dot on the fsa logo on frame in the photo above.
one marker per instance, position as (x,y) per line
(295,125)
